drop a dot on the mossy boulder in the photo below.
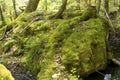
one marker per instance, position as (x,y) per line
(84,51)
(5,74)
(82,48)
(72,47)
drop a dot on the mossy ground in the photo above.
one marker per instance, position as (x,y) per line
(79,41)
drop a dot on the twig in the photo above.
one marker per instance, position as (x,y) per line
(100,73)
(27,26)
(37,18)
(6,32)
(109,20)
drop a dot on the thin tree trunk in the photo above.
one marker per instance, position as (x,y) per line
(14,6)
(114,2)
(119,9)
(99,5)
(118,2)
(95,1)
(46,5)
(61,10)
(1,15)
(106,5)
(32,5)
(78,4)
(89,2)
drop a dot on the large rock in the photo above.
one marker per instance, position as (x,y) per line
(81,47)
(84,51)
(63,48)
(5,74)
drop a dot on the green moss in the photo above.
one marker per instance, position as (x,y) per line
(50,16)
(78,44)
(80,41)
(21,22)
(41,27)
(34,50)
(36,46)
(89,13)
(68,15)
(85,49)
(83,15)
(5,74)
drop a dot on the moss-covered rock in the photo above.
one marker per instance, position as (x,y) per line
(61,48)
(84,51)
(5,74)
(84,15)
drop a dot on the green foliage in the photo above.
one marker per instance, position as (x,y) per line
(33,51)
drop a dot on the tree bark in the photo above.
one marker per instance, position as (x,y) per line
(14,6)
(32,5)
(1,15)
(61,10)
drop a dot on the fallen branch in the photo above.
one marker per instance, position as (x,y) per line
(109,20)
(115,61)
(26,27)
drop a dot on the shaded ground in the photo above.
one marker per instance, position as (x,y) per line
(17,70)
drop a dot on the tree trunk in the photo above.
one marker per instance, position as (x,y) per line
(99,5)
(86,3)
(61,10)
(45,5)
(95,1)
(114,2)
(89,2)
(14,6)
(78,4)
(2,17)
(106,5)
(32,5)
